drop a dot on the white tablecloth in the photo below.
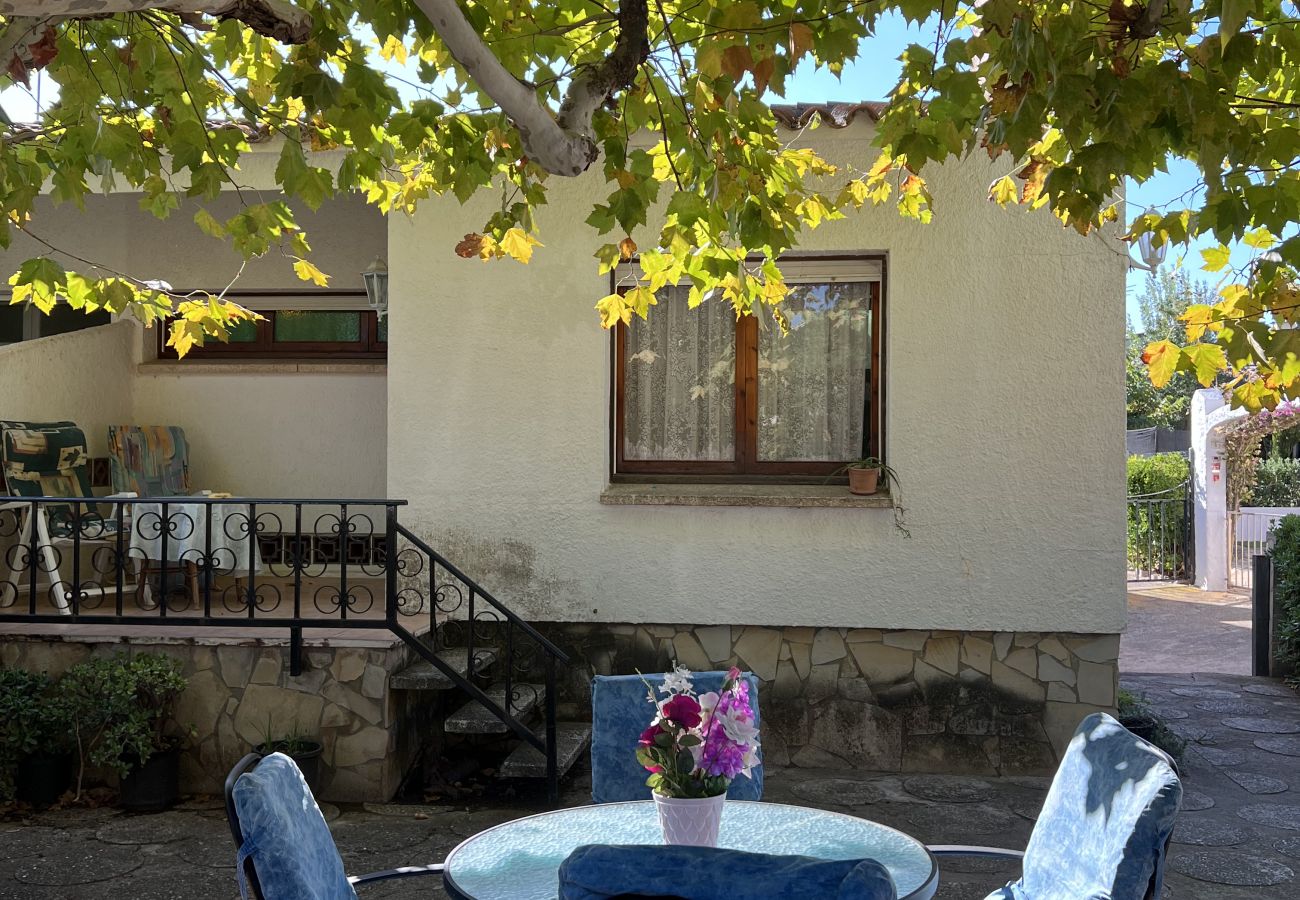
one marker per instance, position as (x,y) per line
(187,536)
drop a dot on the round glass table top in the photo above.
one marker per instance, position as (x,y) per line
(520,860)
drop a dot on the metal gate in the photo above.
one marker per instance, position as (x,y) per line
(1248,537)
(1160,535)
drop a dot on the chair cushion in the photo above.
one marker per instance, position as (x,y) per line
(620,712)
(46,459)
(595,872)
(286,836)
(1106,821)
(151,460)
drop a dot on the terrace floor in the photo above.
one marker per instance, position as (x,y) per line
(1180,628)
(1238,836)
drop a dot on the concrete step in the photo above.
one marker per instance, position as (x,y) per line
(421,675)
(526,761)
(474,718)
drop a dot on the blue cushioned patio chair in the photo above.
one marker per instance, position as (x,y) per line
(1105,825)
(620,712)
(597,872)
(286,851)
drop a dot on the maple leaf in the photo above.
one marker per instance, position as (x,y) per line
(470,246)
(626,248)
(1161,358)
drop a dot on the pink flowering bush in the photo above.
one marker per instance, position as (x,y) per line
(696,745)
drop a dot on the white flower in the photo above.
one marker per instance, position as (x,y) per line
(750,760)
(708,703)
(739,727)
(678,681)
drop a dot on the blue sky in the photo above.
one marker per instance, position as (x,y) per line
(872,78)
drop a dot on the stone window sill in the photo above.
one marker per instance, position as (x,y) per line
(260,367)
(830,496)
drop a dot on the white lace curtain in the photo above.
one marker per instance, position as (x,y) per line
(679,378)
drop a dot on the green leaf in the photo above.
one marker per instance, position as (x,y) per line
(1216,258)
(1207,361)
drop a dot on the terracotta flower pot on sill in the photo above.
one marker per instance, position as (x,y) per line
(863,481)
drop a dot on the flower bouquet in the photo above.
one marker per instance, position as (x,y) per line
(693,749)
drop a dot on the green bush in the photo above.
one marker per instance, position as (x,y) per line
(1286,588)
(120,709)
(1157,524)
(29,722)
(1277,483)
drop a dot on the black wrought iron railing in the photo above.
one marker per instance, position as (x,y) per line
(279,563)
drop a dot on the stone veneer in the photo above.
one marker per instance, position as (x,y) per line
(896,701)
(239,692)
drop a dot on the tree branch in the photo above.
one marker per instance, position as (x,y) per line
(278,19)
(564,145)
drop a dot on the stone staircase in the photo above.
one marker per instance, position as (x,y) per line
(527,704)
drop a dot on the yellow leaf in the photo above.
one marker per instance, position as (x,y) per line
(613,310)
(1260,239)
(1216,258)
(640,299)
(1004,191)
(1207,360)
(307,272)
(518,244)
(1196,318)
(393,48)
(1161,358)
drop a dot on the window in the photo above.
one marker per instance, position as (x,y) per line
(321,325)
(698,393)
(24,322)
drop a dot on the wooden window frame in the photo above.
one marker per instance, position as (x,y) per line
(746,467)
(264,347)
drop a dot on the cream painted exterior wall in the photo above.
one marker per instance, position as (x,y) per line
(284,430)
(1004,410)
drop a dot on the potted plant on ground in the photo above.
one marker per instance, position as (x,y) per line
(121,711)
(35,765)
(304,751)
(693,749)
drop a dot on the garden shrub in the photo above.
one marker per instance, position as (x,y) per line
(1157,529)
(1286,589)
(1277,483)
(28,722)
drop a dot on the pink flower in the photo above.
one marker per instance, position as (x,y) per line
(683,710)
(648,736)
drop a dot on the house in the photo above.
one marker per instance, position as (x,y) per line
(607,490)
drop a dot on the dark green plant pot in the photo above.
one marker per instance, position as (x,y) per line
(307,759)
(42,778)
(153,786)
(1144,727)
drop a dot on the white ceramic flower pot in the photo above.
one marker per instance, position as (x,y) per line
(690,821)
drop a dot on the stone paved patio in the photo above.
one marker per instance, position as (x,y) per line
(1238,836)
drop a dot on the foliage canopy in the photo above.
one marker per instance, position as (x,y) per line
(505,96)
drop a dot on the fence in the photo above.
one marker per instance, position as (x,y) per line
(1159,535)
(1248,537)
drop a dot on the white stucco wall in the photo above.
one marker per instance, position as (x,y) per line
(85,377)
(1004,409)
(296,430)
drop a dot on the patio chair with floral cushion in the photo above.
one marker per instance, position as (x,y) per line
(285,848)
(149,460)
(49,459)
(1105,825)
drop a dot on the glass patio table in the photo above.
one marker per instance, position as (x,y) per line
(520,860)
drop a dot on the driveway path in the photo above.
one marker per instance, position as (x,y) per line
(1177,628)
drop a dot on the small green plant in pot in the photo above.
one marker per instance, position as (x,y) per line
(865,475)
(35,763)
(121,713)
(304,751)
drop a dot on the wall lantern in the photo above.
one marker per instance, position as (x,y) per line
(376,278)
(1152,255)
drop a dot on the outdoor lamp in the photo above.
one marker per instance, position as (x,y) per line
(1152,255)
(376,278)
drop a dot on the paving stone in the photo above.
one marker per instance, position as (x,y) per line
(939,824)
(1205,693)
(209,850)
(1208,833)
(1273,815)
(1263,725)
(1290,846)
(1171,714)
(838,792)
(1232,707)
(178,883)
(1257,784)
(1190,731)
(67,860)
(1283,746)
(1194,801)
(1265,689)
(1026,808)
(1219,756)
(158,828)
(948,788)
(1231,867)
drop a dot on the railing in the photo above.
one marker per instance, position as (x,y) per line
(1160,535)
(201,562)
(1248,537)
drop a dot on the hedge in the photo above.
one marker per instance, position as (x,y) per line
(1157,529)
(1277,483)
(1286,589)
